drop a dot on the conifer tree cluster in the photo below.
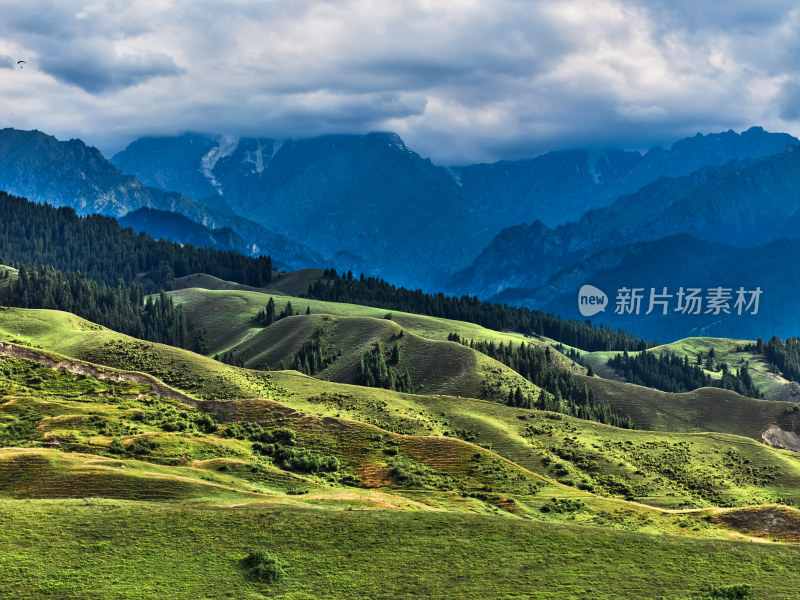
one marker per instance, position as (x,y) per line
(375,371)
(121,307)
(312,357)
(671,373)
(561,392)
(372,291)
(782,357)
(268,315)
(229,358)
(39,234)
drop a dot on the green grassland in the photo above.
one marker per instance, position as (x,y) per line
(229,318)
(435,365)
(205,378)
(54,411)
(120,549)
(619,463)
(112,486)
(142,526)
(671,470)
(228,315)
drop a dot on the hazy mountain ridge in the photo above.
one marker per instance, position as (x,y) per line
(371,204)
(176,227)
(507,260)
(362,201)
(559,187)
(674,262)
(746,203)
(554,187)
(43,169)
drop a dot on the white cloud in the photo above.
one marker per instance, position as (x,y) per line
(461,80)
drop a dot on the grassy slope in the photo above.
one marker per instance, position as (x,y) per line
(209,517)
(74,413)
(228,316)
(435,365)
(114,549)
(704,409)
(671,470)
(82,415)
(772,386)
(538,444)
(236,315)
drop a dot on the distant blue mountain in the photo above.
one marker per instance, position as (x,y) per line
(371,204)
(368,203)
(679,262)
(558,187)
(43,169)
(747,202)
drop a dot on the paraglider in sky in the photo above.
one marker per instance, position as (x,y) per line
(20,63)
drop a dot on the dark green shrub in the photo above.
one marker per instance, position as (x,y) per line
(305,461)
(726,592)
(263,566)
(279,435)
(141,446)
(265,449)
(206,423)
(351,480)
(116,447)
(563,505)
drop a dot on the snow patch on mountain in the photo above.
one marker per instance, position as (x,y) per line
(592,160)
(226,145)
(397,142)
(455,175)
(263,154)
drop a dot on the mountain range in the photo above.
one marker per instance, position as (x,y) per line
(524,232)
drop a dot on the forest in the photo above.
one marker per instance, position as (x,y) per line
(39,234)
(120,307)
(782,357)
(671,373)
(561,392)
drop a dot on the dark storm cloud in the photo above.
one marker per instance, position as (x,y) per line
(95,71)
(459,80)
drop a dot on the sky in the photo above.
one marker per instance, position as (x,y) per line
(461,81)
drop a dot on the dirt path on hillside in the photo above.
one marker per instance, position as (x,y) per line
(79,367)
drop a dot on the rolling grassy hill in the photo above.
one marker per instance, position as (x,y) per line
(605,459)
(163,463)
(194,290)
(435,365)
(137,550)
(229,317)
(658,468)
(703,409)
